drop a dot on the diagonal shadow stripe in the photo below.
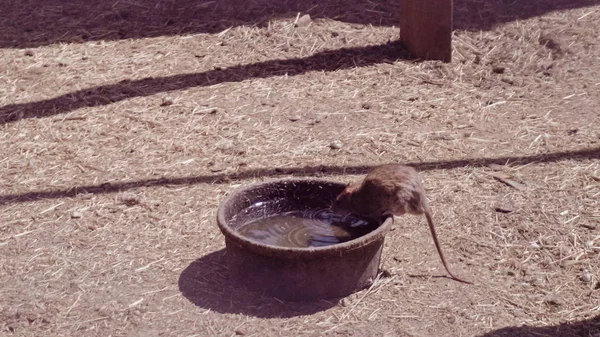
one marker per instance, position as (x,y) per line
(297,171)
(108,94)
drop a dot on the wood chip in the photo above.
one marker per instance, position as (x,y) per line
(497,167)
(514,184)
(587,225)
(336,145)
(552,300)
(586,276)
(303,21)
(506,179)
(504,209)
(166,101)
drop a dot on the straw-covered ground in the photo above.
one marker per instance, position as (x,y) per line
(125,123)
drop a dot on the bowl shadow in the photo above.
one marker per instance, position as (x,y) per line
(207,284)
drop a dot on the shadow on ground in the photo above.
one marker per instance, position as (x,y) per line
(76,21)
(587,328)
(206,283)
(108,94)
(34,23)
(304,171)
(484,15)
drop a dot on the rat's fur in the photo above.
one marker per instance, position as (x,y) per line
(387,190)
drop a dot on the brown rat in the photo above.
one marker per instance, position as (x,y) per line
(387,190)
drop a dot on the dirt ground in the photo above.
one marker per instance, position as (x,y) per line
(125,123)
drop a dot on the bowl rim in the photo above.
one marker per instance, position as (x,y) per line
(293,252)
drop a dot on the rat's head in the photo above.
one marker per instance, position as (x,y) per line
(343,202)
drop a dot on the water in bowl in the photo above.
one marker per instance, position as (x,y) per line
(307,228)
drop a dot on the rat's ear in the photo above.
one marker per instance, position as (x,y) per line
(352,187)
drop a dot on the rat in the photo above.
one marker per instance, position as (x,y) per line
(388,190)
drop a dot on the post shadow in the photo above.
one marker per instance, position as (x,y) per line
(206,283)
(34,23)
(320,170)
(589,327)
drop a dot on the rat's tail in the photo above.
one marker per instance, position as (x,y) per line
(439,249)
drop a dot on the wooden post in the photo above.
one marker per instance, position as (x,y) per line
(426,28)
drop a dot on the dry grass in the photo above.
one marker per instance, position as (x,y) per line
(121,132)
